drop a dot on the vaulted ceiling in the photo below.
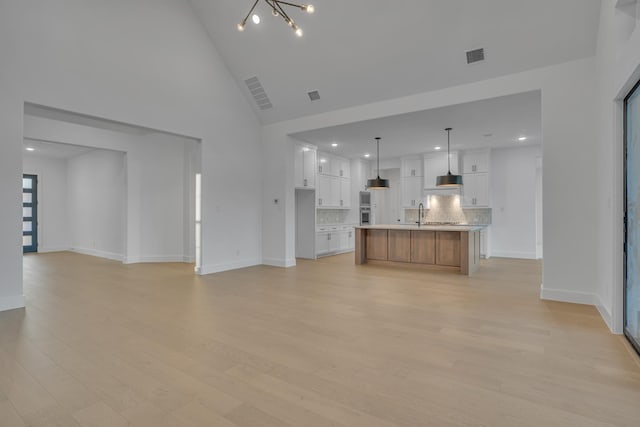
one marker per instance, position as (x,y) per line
(360,51)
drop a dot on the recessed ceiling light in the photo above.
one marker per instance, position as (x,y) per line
(367,155)
(437,148)
(522,138)
(323,160)
(335,144)
(30,149)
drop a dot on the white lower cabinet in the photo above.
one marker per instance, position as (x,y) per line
(322,243)
(331,240)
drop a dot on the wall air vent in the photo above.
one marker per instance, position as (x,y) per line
(475,55)
(258,93)
(314,95)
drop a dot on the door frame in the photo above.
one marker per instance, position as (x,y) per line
(632,341)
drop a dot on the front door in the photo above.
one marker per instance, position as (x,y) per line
(632,217)
(29,213)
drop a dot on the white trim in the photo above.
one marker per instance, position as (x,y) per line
(225,266)
(563,295)
(53,249)
(11,303)
(157,258)
(606,314)
(99,254)
(513,254)
(278,262)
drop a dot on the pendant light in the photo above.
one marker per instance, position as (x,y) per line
(378,183)
(449,180)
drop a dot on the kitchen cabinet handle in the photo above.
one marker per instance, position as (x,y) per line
(341,202)
(319,202)
(305,182)
(320,169)
(413,172)
(329,236)
(341,172)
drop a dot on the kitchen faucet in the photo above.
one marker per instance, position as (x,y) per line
(420,213)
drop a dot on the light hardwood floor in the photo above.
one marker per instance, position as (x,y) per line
(323,344)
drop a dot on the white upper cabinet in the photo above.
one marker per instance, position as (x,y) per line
(331,165)
(436,164)
(475,190)
(324,163)
(345,168)
(411,166)
(411,191)
(476,161)
(345,193)
(305,167)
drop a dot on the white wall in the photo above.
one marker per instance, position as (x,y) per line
(96,203)
(568,97)
(513,197)
(53,233)
(159,199)
(618,69)
(149,63)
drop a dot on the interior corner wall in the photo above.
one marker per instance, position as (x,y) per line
(96,203)
(568,97)
(618,69)
(53,231)
(70,57)
(513,197)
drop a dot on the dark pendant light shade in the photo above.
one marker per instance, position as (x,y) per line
(449,180)
(378,183)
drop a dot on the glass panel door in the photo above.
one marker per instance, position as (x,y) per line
(29,213)
(632,217)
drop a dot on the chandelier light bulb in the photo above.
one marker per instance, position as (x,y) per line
(277,8)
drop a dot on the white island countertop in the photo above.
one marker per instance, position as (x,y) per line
(470,227)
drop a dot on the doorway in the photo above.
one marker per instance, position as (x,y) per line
(632,217)
(29,213)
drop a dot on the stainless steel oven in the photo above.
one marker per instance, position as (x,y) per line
(365,215)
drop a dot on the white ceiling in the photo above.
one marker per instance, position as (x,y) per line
(360,51)
(505,119)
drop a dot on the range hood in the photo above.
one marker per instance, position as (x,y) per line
(442,191)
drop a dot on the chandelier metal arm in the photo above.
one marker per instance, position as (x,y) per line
(244,21)
(283,13)
(290,4)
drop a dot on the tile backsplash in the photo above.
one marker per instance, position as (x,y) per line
(447,209)
(331,216)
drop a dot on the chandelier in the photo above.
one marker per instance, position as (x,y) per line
(277,9)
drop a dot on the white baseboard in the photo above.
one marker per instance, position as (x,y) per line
(225,266)
(11,303)
(44,250)
(98,253)
(567,296)
(279,262)
(513,254)
(157,258)
(606,314)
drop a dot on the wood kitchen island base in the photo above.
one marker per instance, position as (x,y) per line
(429,246)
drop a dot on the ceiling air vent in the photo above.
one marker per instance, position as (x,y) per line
(314,95)
(475,55)
(258,93)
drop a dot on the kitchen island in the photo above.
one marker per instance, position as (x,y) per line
(452,247)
